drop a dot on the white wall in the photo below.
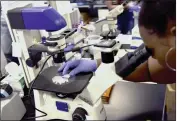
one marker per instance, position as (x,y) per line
(3,62)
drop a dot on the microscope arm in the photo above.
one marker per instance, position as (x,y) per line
(99,24)
(116,11)
(35,54)
(39,48)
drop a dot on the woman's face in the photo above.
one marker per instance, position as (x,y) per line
(159,45)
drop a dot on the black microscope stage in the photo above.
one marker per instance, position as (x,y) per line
(75,85)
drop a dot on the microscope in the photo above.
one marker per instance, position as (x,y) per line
(111,20)
(59,101)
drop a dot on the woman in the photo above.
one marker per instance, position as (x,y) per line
(157,26)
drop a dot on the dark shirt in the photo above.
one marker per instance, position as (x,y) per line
(125,21)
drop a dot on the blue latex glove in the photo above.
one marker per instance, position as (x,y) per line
(81,65)
(69,48)
(135,8)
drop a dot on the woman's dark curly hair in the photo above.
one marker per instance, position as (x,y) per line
(156,14)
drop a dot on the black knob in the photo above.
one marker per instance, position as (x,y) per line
(30,62)
(6,90)
(79,114)
(107,57)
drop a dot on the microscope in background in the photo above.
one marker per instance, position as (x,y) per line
(111,21)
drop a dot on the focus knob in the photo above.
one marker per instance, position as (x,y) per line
(30,62)
(79,114)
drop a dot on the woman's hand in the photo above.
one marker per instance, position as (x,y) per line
(77,66)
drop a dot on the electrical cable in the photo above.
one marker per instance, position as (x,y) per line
(30,89)
(27,96)
(126,50)
(29,92)
(78,48)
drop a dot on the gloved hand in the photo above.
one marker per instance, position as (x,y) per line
(78,66)
(69,48)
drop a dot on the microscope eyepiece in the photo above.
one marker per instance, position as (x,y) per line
(129,62)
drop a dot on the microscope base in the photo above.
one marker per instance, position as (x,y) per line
(65,109)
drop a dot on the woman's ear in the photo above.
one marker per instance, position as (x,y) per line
(173,30)
(173,33)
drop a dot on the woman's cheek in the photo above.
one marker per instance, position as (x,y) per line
(161,61)
(160,53)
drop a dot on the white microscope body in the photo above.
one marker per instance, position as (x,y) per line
(79,108)
(111,19)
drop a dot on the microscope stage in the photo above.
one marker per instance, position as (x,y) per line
(72,85)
